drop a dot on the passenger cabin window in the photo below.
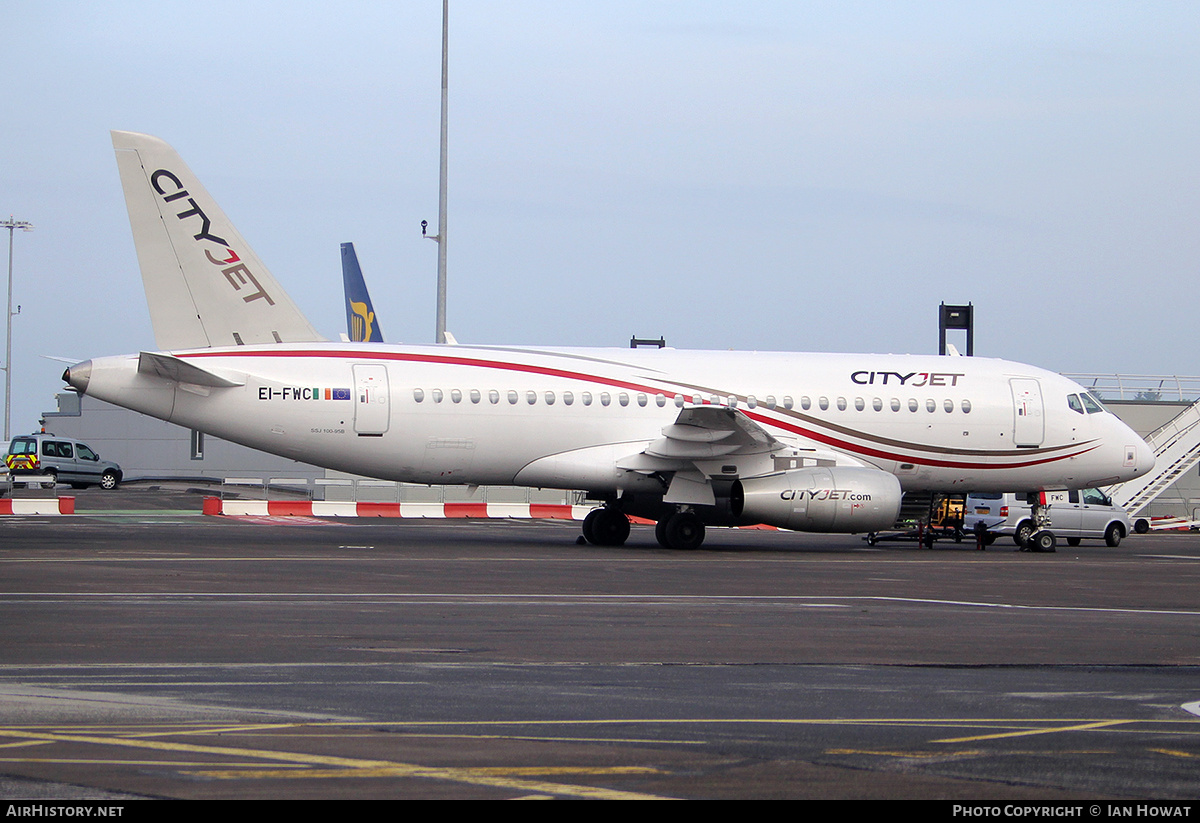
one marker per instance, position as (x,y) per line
(437,395)
(493,397)
(455,396)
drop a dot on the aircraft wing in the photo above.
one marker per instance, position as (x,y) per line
(700,434)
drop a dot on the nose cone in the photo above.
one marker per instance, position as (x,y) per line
(1144,457)
(77,376)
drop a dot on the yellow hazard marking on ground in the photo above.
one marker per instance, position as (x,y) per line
(469,776)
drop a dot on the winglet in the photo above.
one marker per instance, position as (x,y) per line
(204,284)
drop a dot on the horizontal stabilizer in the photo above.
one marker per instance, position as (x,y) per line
(180,371)
(204,284)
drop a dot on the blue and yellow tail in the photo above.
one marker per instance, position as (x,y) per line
(361,323)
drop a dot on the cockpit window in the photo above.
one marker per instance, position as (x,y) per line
(1075,404)
(1091,403)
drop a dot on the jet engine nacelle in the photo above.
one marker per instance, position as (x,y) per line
(835,499)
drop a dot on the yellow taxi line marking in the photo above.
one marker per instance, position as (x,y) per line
(458,775)
(1174,753)
(1029,732)
(324,774)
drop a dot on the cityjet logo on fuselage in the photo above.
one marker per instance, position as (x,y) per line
(171,189)
(822,494)
(922,378)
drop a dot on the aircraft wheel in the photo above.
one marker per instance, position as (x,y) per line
(1113,535)
(660,532)
(684,531)
(1023,533)
(606,527)
(1072,541)
(872,539)
(1043,541)
(589,522)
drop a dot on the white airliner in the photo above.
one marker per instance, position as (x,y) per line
(814,442)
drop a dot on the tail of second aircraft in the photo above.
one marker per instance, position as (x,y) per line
(205,285)
(361,321)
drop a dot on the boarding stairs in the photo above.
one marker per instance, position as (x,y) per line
(1176,447)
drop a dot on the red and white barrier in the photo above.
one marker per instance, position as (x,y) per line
(37,505)
(334,508)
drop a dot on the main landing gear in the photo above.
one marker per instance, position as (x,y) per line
(610,527)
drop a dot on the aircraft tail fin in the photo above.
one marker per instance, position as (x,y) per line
(204,284)
(362,323)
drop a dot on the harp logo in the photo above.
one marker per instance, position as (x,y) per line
(362,322)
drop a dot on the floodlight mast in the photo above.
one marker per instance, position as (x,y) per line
(11,225)
(440,237)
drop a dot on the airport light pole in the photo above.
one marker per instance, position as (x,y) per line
(12,225)
(440,237)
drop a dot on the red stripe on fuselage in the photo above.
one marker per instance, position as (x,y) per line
(867,451)
(475,362)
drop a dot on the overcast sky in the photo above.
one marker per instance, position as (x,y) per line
(773,175)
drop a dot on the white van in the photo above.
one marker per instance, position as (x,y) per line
(1087,513)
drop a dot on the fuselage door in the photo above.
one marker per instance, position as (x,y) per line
(1029,426)
(371,404)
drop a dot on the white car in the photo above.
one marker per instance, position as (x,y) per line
(1088,513)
